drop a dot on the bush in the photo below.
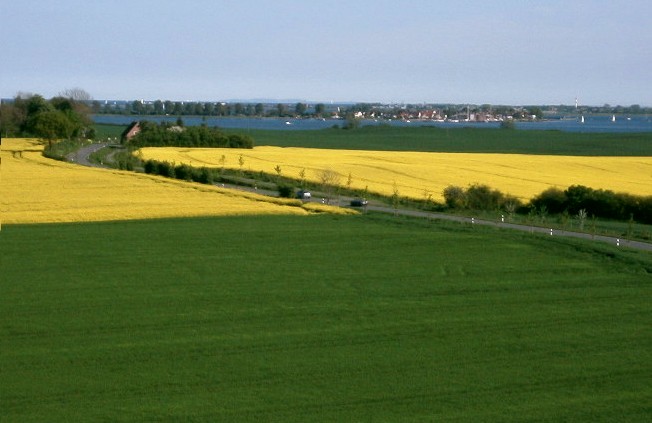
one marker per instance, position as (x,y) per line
(553,199)
(599,203)
(481,197)
(165,169)
(203,175)
(285,191)
(184,172)
(150,166)
(454,197)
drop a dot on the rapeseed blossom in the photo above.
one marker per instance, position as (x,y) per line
(415,174)
(35,189)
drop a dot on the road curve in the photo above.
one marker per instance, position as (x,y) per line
(81,156)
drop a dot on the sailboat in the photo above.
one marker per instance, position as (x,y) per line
(613,118)
(582,119)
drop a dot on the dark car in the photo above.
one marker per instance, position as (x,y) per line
(359,202)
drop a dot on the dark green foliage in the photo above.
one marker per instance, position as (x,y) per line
(508,124)
(167,135)
(478,197)
(183,171)
(56,119)
(165,169)
(553,199)
(481,197)
(455,197)
(285,191)
(321,318)
(596,202)
(203,175)
(150,166)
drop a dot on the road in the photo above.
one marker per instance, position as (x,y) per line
(82,157)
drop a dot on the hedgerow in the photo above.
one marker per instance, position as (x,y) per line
(167,135)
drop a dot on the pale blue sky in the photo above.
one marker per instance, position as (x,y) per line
(497,52)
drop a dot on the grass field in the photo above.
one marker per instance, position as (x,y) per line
(35,189)
(462,140)
(319,318)
(415,173)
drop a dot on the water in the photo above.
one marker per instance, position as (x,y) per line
(591,123)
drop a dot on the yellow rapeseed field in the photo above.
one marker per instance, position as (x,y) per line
(417,174)
(34,189)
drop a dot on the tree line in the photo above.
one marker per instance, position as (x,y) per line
(167,134)
(220,109)
(573,201)
(66,116)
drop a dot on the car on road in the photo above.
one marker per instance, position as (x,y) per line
(303,195)
(359,202)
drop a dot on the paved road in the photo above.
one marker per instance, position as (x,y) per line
(345,201)
(621,242)
(81,157)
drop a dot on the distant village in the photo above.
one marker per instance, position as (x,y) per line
(374,111)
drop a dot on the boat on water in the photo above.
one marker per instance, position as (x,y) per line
(613,118)
(582,119)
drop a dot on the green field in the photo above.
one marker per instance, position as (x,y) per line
(455,140)
(324,318)
(462,140)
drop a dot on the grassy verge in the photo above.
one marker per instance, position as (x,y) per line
(319,319)
(60,149)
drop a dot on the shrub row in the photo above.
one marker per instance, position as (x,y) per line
(596,202)
(480,197)
(167,135)
(183,171)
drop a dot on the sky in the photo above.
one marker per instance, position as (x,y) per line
(511,52)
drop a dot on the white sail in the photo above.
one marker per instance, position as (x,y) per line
(613,118)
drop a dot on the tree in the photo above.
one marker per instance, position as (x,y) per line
(330,181)
(300,109)
(259,109)
(52,125)
(159,108)
(395,198)
(76,94)
(454,197)
(241,162)
(209,109)
(352,122)
(508,124)
(320,109)
(12,119)
(281,109)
